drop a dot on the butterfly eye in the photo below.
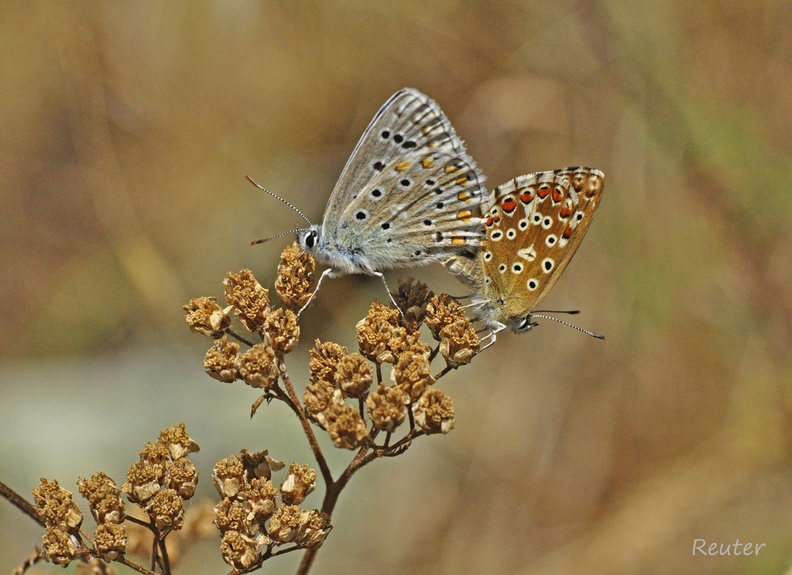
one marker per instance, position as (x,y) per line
(310,240)
(525,323)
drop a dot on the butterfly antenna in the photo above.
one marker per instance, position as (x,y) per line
(562,322)
(568,311)
(280,235)
(277,197)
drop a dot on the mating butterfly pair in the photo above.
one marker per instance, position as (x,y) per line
(411,195)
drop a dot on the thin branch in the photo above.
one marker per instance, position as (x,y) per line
(135,566)
(20,503)
(317,450)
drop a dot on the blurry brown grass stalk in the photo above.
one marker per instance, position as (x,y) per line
(347,398)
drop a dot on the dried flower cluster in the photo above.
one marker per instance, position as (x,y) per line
(159,483)
(251,521)
(163,478)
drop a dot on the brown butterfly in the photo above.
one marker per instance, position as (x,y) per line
(534,224)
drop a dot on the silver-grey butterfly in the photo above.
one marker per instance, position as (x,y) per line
(409,195)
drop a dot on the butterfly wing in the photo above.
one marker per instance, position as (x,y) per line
(409,193)
(534,225)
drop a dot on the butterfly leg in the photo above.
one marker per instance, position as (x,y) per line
(327,272)
(387,290)
(492,335)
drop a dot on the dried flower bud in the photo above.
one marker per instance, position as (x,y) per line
(282,330)
(249,299)
(345,426)
(258,366)
(318,398)
(259,496)
(296,280)
(458,343)
(204,316)
(441,311)
(103,497)
(374,332)
(434,412)
(324,361)
(412,374)
(259,464)
(177,441)
(183,478)
(56,507)
(231,515)
(386,407)
(220,360)
(143,482)
(402,342)
(167,510)
(58,546)
(284,523)
(313,530)
(228,476)
(354,376)
(158,456)
(300,482)
(240,551)
(110,540)
(412,297)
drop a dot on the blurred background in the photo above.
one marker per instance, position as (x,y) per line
(125,131)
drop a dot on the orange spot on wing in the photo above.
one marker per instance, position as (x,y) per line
(544,190)
(526,197)
(427,163)
(567,232)
(450,169)
(558,194)
(509,205)
(565,212)
(464,215)
(464,196)
(402,166)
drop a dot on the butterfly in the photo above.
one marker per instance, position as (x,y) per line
(409,195)
(534,224)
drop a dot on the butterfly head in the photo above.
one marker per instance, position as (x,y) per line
(309,238)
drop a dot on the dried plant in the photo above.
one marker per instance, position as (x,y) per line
(347,397)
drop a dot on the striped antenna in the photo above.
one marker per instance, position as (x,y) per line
(277,197)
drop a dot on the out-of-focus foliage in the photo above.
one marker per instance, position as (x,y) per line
(126,127)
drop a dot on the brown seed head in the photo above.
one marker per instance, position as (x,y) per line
(204,316)
(458,343)
(313,530)
(220,360)
(324,361)
(282,330)
(441,311)
(259,464)
(413,374)
(228,476)
(405,342)
(374,332)
(110,540)
(178,442)
(386,407)
(318,398)
(434,412)
(353,375)
(240,551)
(182,477)
(412,297)
(258,366)
(345,426)
(259,495)
(55,505)
(296,280)
(167,510)
(300,482)
(249,299)
(284,523)
(231,515)
(104,498)
(58,547)
(143,482)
